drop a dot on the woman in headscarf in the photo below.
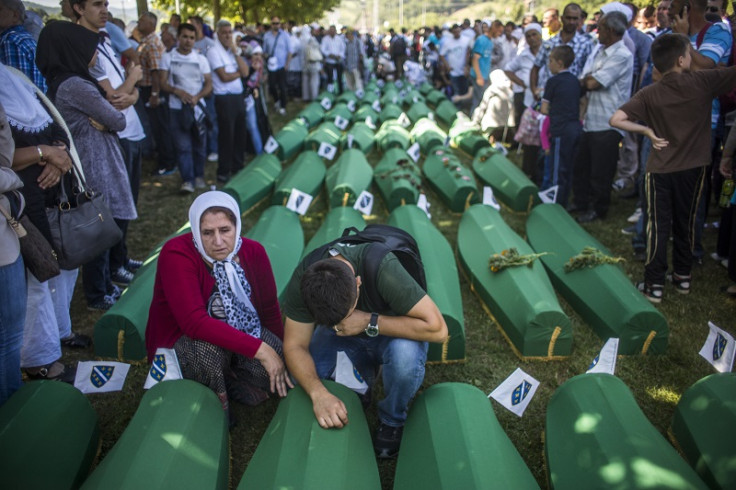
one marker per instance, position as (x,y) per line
(256,120)
(40,159)
(65,54)
(214,303)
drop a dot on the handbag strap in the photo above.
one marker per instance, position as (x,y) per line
(76,162)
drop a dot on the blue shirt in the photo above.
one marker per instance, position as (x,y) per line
(119,42)
(716,46)
(18,49)
(562,91)
(277,45)
(484,47)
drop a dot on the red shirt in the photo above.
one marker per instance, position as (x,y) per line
(182,289)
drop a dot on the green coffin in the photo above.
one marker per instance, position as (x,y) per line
(333,225)
(296,453)
(360,137)
(596,436)
(346,97)
(369,98)
(520,299)
(306,174)
(452,440)
(603,296)
(325,95)
(178,438)
(413,97)
(390,97)
(435,97)
(446,112)
(428,135)
(255,181)
(443,284)
(347,178)
(705,429)
(280,232)
(510,185)
(313,114)
(425,88)
(392,135)
(418,111)
(365,112)
(326,132)
(48,437)
(389,112)
(291,138)
(466,136)
(398,179)
(339,109)
(452,180)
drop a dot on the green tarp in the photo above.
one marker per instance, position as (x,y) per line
(365,113)
(398,179)
(603,296)
(446,112)
(428,135)
(312,114)
(291,138)
(339,109)
(178,438)
(327,132)
(510,185)
(255,181)
(521,299)
(596,436)
(48,437)
(443,283)
(452,180)
(359,136)
(306,174)
(452,440)
(296,453)
(389,112)
(392,135)
(280,232)
(347,178)
(466,136)
(704,427)
(333,225)
(418,111)
(435,97)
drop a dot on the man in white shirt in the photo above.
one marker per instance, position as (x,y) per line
(185,74)
(229,102)
(333,50)
(454,56)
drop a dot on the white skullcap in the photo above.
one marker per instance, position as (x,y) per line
(533,27)
(618,7)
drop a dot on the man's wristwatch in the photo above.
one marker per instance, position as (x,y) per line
(372,329)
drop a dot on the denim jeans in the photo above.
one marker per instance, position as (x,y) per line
(402,360)
(190,150)
(459,85)
(12,314)
(251,124)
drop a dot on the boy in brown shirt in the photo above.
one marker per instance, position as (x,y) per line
(676,116)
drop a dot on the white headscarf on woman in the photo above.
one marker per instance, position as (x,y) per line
(231,282)
(25,112)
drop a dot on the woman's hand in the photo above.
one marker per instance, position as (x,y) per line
(96,125)
(57,156)
(50,176)
(275,368)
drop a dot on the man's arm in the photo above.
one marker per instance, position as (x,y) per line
(329,410)
(533,79)
(478,75)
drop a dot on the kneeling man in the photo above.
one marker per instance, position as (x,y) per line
(328,309)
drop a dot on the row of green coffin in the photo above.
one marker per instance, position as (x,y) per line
(523,301)
(595,437)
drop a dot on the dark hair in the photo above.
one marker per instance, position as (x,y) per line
(219,209)
(329,291)
(81,4)
(185,26)
(175,16)
(667,49)
(563,54)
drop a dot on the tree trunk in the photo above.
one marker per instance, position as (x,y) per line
(142,7)
(215,10)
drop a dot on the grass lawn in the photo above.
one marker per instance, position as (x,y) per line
(657,382)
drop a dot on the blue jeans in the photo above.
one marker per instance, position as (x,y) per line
(559,163)
(251,124)
(402,360)
(12,316)
(212,115)
(459,85)
(190,150)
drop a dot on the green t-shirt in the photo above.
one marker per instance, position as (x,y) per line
(396,286)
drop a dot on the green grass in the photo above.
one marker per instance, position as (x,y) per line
(657,382)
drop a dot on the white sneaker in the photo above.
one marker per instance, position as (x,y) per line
(619,185)
(199,183)
(187,187)
(634,218)
(212,157)
(282,111)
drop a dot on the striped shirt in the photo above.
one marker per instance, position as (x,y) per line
(613,68)
(581,44)
(18,49)
(151,50)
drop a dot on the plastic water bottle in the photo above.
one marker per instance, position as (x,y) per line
(726,193)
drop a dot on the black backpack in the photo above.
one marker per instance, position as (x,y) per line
(383,239)
(398,46)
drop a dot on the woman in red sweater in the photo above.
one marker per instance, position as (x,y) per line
(214,303)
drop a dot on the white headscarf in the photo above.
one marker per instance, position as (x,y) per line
(25,112)
(231,282)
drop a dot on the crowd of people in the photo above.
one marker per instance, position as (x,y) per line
(626,100)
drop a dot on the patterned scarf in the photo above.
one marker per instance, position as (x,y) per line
(234,288)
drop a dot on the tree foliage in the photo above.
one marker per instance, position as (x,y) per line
(252,11)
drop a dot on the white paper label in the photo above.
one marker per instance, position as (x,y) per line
(404,120)
(423,204)
(380,83)
(399,83)
(430,116)
(299,201)
(327,151)
(359,94)
(351,105)
(341,122)
(350,139)
(364,203)
(271,145)
(326,104)
(549,196)
(500,148)
(414,151)
(376,106)
(331,88)
(369,123)
(489,199)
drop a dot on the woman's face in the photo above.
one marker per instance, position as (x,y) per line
(217,234)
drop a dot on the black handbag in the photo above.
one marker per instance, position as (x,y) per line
(81,227)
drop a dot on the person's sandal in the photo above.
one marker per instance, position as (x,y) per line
(66,375)
(76,341)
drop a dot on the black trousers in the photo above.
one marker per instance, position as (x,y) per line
(595,167)
(231,134)
(277,87)
(672,203)
(158,117)
(334,70)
